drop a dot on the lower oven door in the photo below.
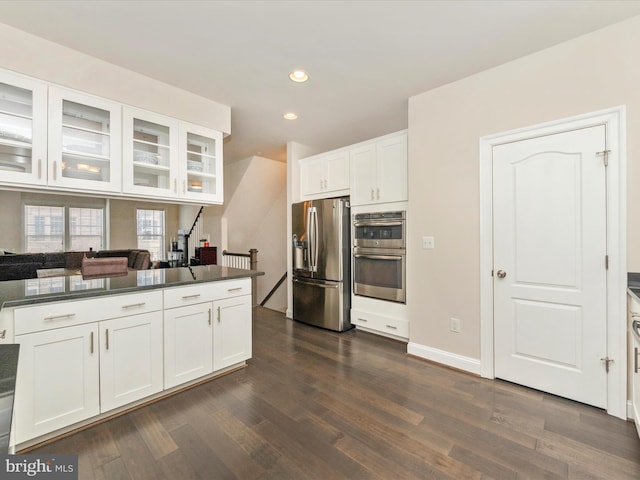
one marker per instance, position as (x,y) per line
(379,273)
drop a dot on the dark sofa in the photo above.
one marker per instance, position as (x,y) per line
(25,265)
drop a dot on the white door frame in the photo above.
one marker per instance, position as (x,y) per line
(614,120)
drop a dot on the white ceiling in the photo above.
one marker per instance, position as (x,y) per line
(365,58)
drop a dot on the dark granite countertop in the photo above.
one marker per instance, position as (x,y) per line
(17,293)
(8,370)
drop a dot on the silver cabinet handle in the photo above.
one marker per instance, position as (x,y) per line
(188,297)
(393,327)
(3,334)
(55,170)
(106,334)
(57,317)
(362,320)
(133,305)
(378,193)
(635,359)
(184,186)
(209,316)
(218,314)
(501,274)
(175,185)
(234,289)
(373,196)
(39,168)
(92,343)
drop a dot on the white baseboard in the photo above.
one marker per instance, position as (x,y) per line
(471,365)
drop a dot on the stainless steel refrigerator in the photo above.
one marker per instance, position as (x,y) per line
(322,263)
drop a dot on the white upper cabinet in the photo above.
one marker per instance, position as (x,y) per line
(84,141)
(149,154)
(200,164)
(23,130)
(58,139)
(325,175)
(379,171)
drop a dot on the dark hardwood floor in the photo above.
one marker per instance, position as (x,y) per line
(322,405)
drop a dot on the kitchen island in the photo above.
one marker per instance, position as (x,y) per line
(93,348)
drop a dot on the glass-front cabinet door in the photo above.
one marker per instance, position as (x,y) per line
(200,163)
(23,130)
(84,141)
(150,160)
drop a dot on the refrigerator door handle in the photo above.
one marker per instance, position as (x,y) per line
(316,284)
(315,239)
(309,229)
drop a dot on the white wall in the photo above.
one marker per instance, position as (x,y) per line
(255,217)
(39,58)
(590,73)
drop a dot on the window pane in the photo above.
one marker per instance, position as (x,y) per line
(86,228)
(44,229)
(150,226)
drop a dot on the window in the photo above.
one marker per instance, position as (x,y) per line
(85,228)
(150,225)
(46,228)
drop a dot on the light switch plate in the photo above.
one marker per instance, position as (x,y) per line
(428,243)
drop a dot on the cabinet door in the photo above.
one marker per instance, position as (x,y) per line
(23,130)
(363,178)
(58,380)
(85,141)
(391,173)
(313,176)
(188,343)
(200,164)
(149,154)
(130,359)
(337,171)
(231,331)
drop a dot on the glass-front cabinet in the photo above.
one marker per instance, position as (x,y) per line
(23,130)
(201,163)
(84,141)
(150,148)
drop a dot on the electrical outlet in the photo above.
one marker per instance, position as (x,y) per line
(455,325)
(427,242)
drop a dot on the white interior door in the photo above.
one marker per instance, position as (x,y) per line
(550,311)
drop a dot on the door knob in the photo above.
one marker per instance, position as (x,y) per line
(501,274)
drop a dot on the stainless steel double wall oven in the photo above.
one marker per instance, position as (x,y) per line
(379,255)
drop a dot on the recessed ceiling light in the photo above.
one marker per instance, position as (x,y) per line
(290,116)
(299,76)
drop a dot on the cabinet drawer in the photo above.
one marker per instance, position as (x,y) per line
(388,325)
(206,292)
(231,288)
(65,314)
(188,295)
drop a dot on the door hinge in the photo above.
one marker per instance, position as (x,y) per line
(607,362)
(606,262)
(605,156)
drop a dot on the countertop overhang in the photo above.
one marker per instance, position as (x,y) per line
(17,293)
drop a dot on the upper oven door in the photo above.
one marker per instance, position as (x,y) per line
(379,233)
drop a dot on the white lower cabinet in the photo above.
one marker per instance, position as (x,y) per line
(58,379)
(188,343)
(130,359)
(386,325)
(231,331)
(80,359)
